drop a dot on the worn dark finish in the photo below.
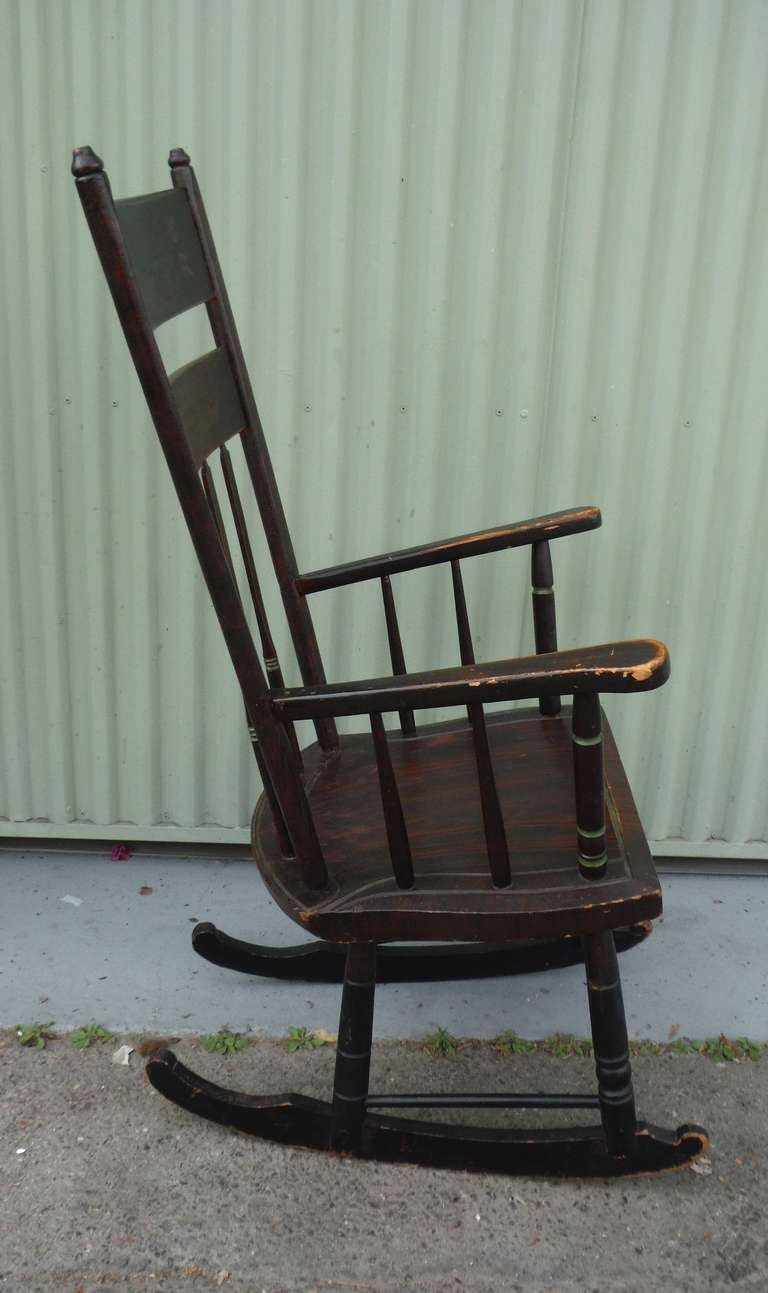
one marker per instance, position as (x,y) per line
(482,1100)
(609,1031)
(407,723)
(555,526)
(466,649)
(511,835)
(493,818)
(589,778)
(318,961)
(614,667)
(397,831)
(544,619)
(353,1048)
(255,449)
(301,1120)
(454,896)
(276,756)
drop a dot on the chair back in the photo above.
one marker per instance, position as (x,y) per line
(159,260)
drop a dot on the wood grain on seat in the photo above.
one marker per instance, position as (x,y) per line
(453,895)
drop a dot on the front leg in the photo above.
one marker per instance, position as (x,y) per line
(609,1034)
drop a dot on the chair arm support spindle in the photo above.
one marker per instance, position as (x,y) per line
(466,650)
(407,721)
(394,820)
(544,618)
(493,818)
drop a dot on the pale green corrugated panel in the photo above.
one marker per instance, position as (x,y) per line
(489,260)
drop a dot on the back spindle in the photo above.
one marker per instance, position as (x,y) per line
(590,784)
(286,847)
(268,649)
(271,662)
(493,819)
(397,833)
(544,621)
(206,476)
(407,721)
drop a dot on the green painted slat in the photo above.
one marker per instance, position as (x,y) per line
(165,253)
(208,403)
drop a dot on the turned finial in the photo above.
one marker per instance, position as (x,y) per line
(178,157)
(85,162)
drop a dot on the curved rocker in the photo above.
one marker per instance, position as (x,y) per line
(323,962)
(306,1122)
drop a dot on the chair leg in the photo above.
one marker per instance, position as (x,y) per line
(353,1050)
(609,1034)
(350,1122)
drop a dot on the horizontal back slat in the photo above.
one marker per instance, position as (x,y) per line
(165,253)
(208,403)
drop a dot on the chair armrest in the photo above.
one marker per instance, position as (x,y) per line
(617,666)
(553,526)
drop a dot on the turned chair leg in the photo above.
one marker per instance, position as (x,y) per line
(352,1122)
(353,1050)
(609,1034)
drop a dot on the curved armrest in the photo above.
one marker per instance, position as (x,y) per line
(553,526)
(639,665)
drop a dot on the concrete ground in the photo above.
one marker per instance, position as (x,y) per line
(84,939)
(117,1189)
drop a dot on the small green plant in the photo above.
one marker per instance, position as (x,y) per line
(34,1034)
(749,1050)
(508,1043)
(645,1047)
(224,1042)
(718,1048)
(565,1044)
(441,1043)
(690,1046)
(721,1048)
(87,1036)
(303,1039)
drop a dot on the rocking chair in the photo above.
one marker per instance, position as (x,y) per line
(499,844)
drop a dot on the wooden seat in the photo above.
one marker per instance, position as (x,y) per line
(436,772)
(515,833)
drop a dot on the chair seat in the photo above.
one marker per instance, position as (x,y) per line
(453,896)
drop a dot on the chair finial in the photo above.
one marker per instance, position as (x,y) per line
(178,157)
(85,162)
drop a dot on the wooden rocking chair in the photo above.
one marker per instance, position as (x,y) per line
(500,845)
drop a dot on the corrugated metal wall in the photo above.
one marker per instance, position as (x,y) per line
(489,260)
